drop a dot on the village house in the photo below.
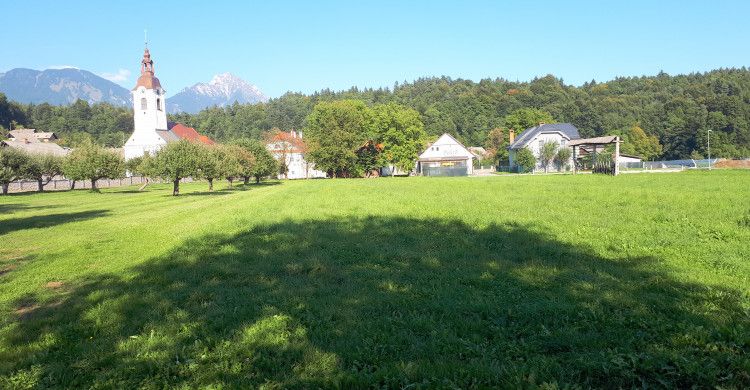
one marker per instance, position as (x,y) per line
(151,130)
(445,157)
(289,148)
(33,142)
(533,138)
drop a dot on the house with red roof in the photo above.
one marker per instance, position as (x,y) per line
(151,130)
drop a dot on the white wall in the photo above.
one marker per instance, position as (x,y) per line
(447,147)
(146,122)
(535,146)
(298,167)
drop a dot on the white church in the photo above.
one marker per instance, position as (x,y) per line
(151,129)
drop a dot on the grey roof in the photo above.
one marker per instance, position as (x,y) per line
(607,139)
(36,147)
(167,135)
(529,134)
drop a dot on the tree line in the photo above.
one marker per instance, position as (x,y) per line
(244,159)
(674,111)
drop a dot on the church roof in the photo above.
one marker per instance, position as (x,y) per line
(147,79)
(188,133)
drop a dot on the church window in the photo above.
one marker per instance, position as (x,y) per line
(158,104)
(144,105)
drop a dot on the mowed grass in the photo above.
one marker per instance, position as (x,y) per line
(521,281)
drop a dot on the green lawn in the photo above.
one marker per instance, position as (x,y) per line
(516,281)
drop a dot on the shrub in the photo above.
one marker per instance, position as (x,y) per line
(525,159)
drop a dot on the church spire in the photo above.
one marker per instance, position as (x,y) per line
(147,64)
(147,80)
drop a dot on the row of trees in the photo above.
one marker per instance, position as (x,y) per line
(675,111)
(244,159)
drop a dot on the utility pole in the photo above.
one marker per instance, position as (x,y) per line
(709,149)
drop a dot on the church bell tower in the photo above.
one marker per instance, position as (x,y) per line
(149,112)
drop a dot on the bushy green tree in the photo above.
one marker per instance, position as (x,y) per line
(400,132)
(497,144)
(638,143)
(525,159)
(525,118)
(93,162)
(369,159)
(238,162)
(563,157)
(217,161)
(264,165)
(335,131)
(547,153)
(43,168)
(176,161)
(12,163)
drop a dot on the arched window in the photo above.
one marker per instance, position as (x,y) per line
(158,104)
(144,105)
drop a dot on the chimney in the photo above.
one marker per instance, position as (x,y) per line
(540,124)
(293,134)
(511,136)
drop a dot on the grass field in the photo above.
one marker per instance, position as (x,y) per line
(521,281)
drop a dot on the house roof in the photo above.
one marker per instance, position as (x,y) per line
(607,139)
(30,134)
(36,147)
(448,158)
(184,132)
(529,134)
(167,135)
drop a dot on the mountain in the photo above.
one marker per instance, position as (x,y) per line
(61,87)
(224,89)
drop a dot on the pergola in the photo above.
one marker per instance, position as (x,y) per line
(596,143)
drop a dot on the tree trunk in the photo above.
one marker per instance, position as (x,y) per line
(5,188)
(230,180)
(93,185)
(39,184)
(247,180)
(72,184)
(176,190)
(210,185)
(257,179)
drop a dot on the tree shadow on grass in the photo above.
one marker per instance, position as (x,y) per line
(15,207)
(47,220)
(389,302)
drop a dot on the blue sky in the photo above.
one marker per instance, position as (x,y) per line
(310,45)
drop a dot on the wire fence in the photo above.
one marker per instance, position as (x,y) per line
(651,165)
(669,164)
(63,184)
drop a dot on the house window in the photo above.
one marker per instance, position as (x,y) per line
(541,142)
(158,104)
(144,105)
(437,149)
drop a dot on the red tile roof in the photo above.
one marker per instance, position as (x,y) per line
(189,133)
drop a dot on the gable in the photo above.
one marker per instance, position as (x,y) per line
(446,146)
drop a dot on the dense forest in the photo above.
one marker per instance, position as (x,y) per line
(677,110)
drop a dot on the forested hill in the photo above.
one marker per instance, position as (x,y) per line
(678,110)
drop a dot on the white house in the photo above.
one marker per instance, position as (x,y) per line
(290,148)
(627,158)
(151,130)
(533,138)
(445,157)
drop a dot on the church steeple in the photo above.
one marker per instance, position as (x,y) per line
(147,80)
(147,64)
